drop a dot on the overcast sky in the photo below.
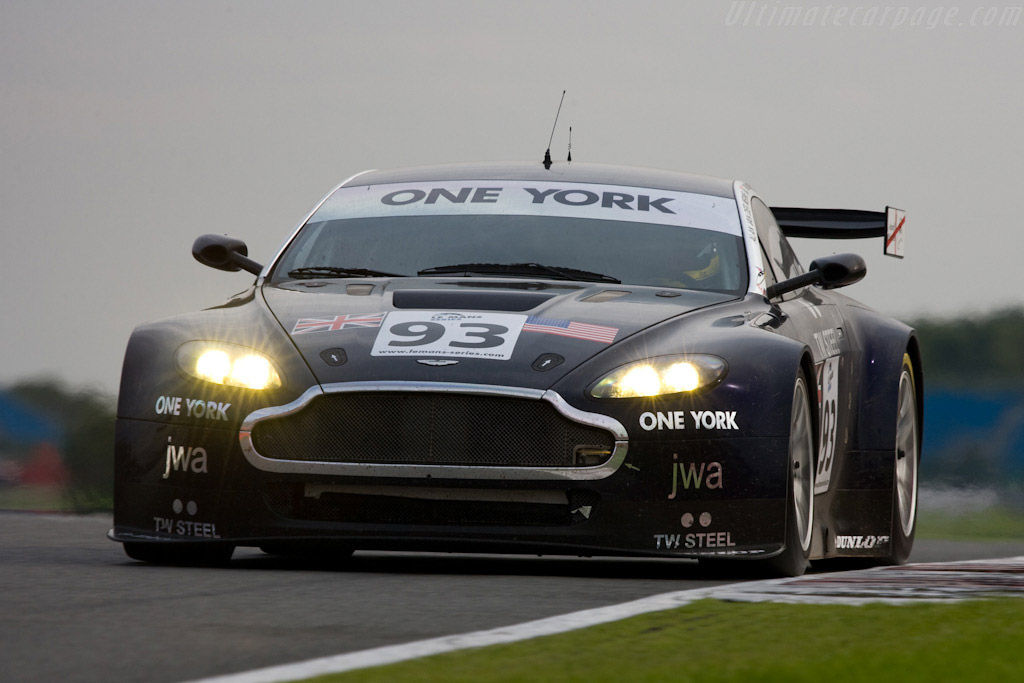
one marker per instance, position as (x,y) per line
(129,128)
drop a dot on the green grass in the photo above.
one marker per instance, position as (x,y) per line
(713,641)
(991,524)
(35,498)
(47,498)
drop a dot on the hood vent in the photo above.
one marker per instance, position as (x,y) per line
(606,295)
(531,285)
(476,301)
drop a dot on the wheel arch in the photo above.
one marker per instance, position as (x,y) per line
(914,351)
(883,343)
(810,377)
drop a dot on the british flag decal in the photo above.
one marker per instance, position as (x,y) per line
(338,322)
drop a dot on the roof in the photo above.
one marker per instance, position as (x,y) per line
(560,172)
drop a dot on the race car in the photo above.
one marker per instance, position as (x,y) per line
(582,359)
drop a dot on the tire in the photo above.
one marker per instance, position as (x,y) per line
(792,561)
(905,469)
(181,554)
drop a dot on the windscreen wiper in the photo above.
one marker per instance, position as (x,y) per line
(558,272)
(310,272)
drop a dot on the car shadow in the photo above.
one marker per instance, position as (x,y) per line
(380,562)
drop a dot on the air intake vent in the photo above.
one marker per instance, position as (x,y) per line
(425,428)
(474,301)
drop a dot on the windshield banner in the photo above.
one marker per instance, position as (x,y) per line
(529,198)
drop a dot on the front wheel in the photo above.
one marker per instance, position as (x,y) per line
(908,457)
(800,488)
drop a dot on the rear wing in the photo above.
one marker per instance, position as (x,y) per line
(845,224)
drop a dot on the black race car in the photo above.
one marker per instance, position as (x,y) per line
(585,359)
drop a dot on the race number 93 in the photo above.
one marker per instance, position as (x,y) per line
(828,388)
(451,334)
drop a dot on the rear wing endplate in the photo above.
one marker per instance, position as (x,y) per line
(845,224)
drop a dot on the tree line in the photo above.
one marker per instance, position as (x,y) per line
(978,352)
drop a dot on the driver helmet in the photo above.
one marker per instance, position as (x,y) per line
(708,263)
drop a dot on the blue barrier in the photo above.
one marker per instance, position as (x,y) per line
(986,426)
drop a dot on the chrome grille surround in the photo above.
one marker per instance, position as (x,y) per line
(601,471)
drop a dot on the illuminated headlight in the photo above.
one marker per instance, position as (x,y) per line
(660,376)
(228,364)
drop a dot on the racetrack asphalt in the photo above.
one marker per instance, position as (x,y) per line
(75,608)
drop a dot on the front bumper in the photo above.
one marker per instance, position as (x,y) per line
(656,496)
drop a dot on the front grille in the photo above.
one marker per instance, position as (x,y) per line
(424,428)
(291,503)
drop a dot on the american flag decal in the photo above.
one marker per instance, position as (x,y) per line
(567,328)
(338,322)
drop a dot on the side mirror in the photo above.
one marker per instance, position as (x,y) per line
(840,270)
(224,253)
(830,272)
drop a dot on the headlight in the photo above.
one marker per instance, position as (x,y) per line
(660,376)
(228,364)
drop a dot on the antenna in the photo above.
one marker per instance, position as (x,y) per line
(570,145)
(547,154)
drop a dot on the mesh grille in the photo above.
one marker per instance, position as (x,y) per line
(289,502)
(429,429)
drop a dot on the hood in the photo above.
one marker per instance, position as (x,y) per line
(505,332)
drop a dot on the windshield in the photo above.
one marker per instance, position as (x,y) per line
(579,242)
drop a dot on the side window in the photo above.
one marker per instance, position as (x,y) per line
(769,276)
(780,255)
